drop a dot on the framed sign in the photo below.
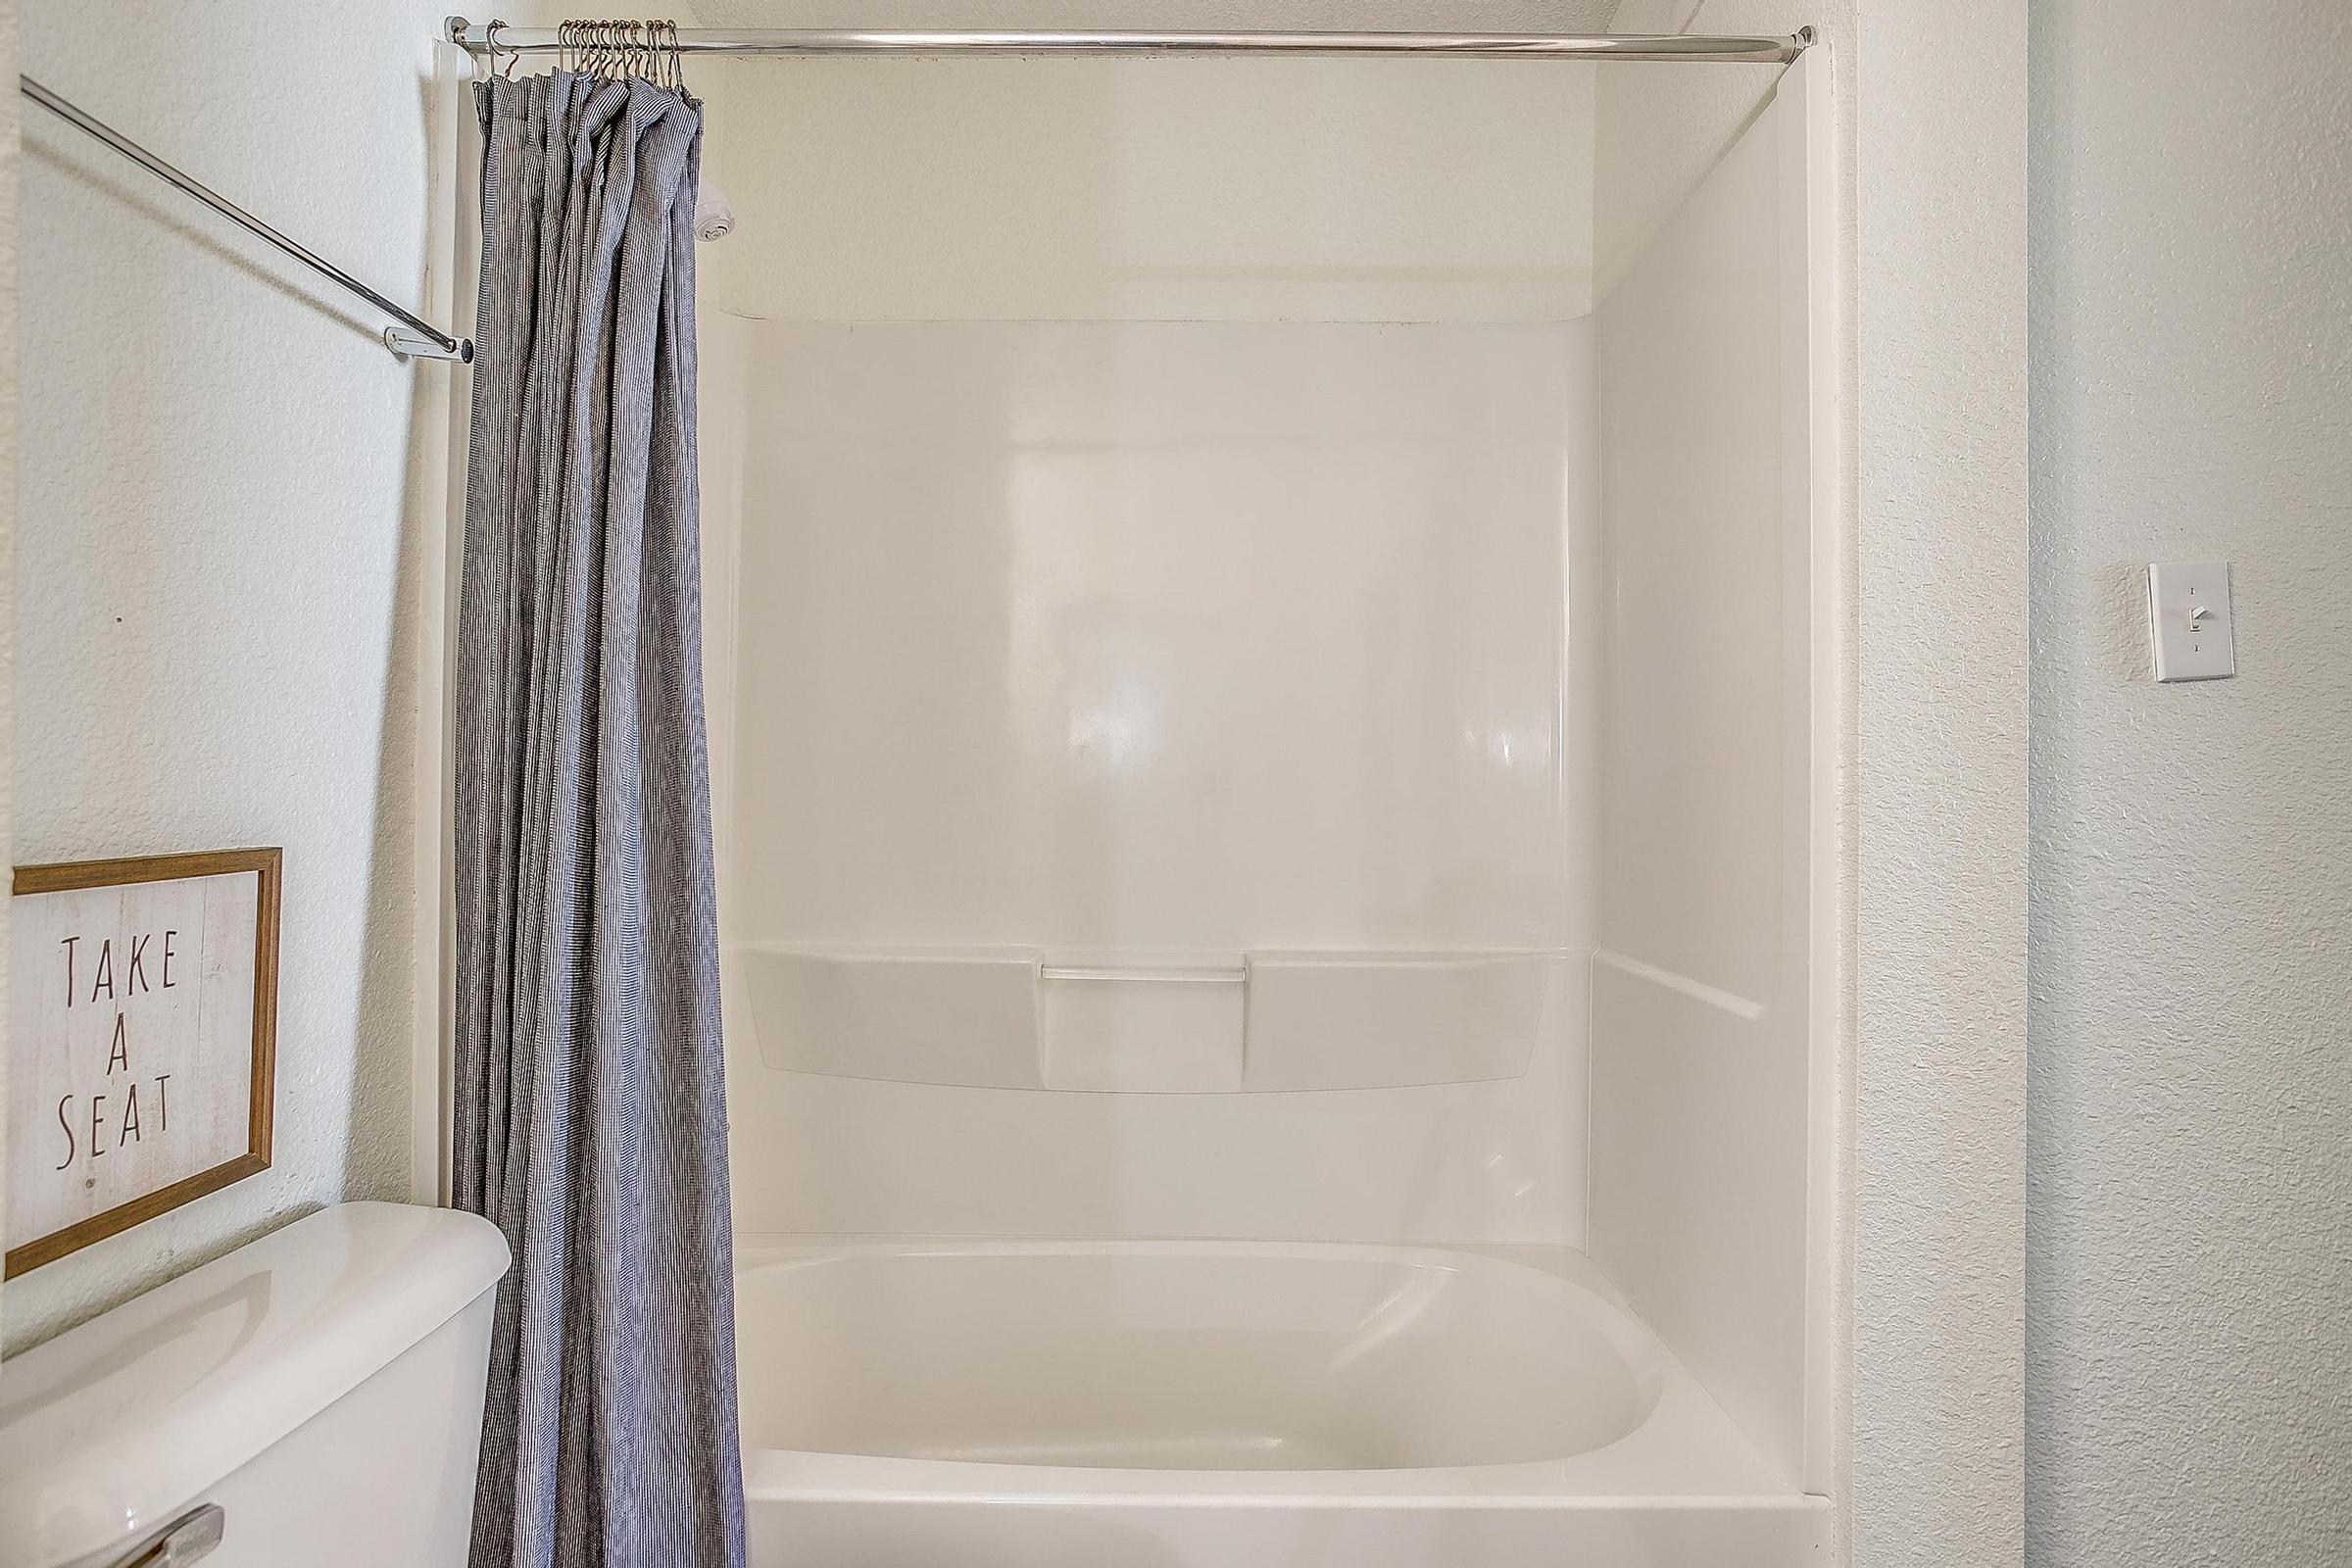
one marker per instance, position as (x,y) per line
(142,1040)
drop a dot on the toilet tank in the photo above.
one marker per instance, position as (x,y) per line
(321,1388)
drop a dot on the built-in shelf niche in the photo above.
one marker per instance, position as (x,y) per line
(1158,1022)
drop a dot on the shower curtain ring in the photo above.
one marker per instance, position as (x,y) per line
(513,57)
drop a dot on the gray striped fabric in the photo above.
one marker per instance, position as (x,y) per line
(590,1123)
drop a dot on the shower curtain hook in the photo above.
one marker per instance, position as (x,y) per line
(513,57)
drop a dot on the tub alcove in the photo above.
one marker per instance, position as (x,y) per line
(1272,734)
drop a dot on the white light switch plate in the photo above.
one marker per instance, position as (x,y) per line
(2188,620)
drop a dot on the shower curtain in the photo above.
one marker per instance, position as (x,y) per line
(589,1122)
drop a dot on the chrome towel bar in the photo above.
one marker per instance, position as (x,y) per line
(412,337)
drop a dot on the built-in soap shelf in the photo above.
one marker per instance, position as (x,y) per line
(1162,1022)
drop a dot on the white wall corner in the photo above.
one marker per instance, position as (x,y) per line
(438,491)
(7,517)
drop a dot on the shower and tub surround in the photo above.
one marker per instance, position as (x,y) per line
(1244,780)
(1176,710)
(1245,1404)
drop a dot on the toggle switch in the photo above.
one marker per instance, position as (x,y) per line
(2188,620)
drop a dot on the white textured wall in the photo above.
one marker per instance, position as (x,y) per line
(212,645)
(2190,1227)
(1940,752)
(9,407)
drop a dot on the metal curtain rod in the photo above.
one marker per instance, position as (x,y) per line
(412,337)
(497,37)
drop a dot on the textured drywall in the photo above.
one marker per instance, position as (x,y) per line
(212,640)
(1941,747)
(8,496)
(2191,1220)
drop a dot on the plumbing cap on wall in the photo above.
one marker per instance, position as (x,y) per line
(714,214)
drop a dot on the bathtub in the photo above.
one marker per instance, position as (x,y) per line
(1182,1404)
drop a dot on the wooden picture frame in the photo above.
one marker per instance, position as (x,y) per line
(84,876)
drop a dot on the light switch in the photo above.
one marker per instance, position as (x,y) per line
(2188,620)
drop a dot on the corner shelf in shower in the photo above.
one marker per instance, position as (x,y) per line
(1161,1022)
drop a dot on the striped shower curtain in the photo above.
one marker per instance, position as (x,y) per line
(589,1121)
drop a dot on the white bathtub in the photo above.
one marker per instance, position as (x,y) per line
(1120,1404)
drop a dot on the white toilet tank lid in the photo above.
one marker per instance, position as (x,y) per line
(112,1429)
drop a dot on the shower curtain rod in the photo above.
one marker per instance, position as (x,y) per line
(413,338)
(483,39)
